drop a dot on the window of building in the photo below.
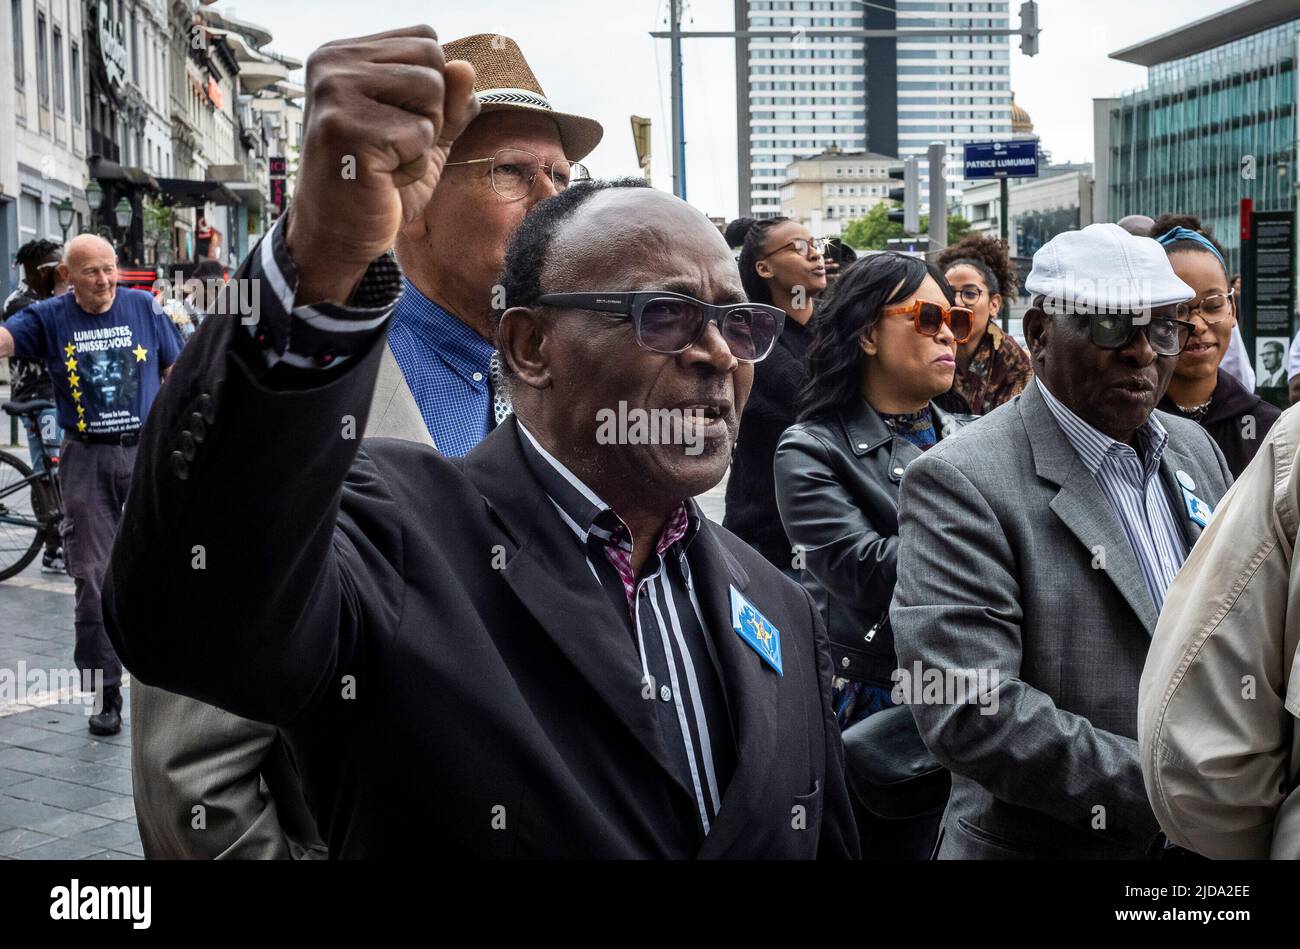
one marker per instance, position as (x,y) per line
(76,84)
(135,48)
(20,62)
(42,62)
(58,71)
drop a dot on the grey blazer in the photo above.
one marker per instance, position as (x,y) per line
(1011,562)
(185,754)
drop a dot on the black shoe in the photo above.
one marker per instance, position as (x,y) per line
(109,720)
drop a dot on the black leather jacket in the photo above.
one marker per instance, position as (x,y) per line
(837,482)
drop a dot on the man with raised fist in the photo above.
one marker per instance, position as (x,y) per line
(542,649)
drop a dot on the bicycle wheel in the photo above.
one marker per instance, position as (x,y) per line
(22,510)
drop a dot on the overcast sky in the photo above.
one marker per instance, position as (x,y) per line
(595,57)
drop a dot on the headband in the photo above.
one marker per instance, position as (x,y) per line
(1187,234)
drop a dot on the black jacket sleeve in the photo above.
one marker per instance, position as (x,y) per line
(235,576)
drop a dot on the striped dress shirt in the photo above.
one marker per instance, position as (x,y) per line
(664,622)
(1132,485)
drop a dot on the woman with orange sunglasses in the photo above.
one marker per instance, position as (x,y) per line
(882,349)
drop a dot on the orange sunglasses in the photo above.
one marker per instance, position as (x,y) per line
(928,318)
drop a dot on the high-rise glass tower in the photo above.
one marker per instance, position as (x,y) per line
(952,89)
(802,93)
(805,93)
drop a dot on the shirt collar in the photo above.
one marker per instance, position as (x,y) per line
(583,510)
(1092,445)
(443,333)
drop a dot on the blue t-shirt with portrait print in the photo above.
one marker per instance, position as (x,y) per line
(106,367)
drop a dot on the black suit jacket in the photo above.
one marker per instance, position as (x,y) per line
(427,634)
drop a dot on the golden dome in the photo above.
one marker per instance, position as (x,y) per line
(1021,123)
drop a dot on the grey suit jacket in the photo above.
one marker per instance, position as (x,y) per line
(185,754)
(1012,564)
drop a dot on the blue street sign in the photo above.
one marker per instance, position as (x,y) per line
(1001,160)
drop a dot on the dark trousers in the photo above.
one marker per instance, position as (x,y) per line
(94,479)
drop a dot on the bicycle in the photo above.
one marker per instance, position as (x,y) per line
(31,504)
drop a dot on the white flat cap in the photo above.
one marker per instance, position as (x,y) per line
(1104,268)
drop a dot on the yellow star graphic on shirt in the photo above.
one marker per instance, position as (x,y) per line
(74,380)
(81,425)
(81,410)
(76,395)
(140,353)
(69,349)
(71,364)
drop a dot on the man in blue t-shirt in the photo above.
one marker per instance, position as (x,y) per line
(107,350)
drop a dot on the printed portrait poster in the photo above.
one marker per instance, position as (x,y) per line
(1270,361)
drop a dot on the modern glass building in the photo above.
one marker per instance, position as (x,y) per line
(1215,123)
(799,94)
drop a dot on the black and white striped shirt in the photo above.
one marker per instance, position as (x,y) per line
(664,623)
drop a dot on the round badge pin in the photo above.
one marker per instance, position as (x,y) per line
(1186,480)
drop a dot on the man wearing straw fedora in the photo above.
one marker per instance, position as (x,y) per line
(436,385)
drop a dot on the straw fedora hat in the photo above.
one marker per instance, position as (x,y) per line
(504,81)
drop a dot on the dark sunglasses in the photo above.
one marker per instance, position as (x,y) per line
(929,318)
(671,323)
(1115,331)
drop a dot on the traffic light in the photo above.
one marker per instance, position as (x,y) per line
(909,173)
(1029,28)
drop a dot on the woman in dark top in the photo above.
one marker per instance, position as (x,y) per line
(883,348)
(1236,418)
(781,264)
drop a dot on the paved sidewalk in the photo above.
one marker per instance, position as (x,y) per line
(64,794)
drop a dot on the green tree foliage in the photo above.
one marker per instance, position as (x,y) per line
(875,229)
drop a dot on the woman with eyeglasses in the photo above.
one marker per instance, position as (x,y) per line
(781,264)
(882,349)
(1200,389)
(992,368)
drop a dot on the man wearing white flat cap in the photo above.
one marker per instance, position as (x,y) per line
(1036,548)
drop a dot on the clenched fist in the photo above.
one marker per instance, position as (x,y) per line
(382,113)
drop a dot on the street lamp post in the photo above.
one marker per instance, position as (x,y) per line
(122,214)
(94,201)
(65,212)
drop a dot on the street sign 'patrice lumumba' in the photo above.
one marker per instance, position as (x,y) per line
(1001,160)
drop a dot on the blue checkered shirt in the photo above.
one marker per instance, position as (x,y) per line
(447,366)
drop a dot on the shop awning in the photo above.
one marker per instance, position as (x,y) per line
(195,194)
(107,170)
